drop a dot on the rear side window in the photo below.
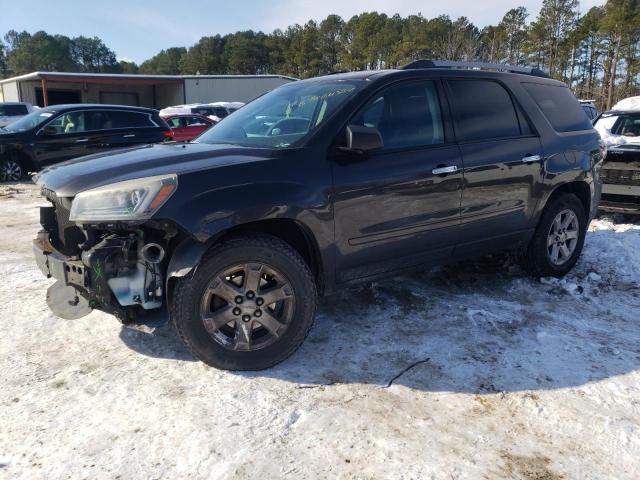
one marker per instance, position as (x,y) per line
(110,119)
(193,121)
(483,110)
(13,110)
(559,106)
(220,112)
(130,119)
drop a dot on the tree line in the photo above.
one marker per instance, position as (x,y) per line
(597,54)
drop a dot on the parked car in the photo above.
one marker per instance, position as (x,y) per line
(589,107)
(620,174)
(216,111)
(53,134)
(362,175)
(12,111)
(187,127)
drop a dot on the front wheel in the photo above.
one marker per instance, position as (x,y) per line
(559,237)
(11,169)
(249,305)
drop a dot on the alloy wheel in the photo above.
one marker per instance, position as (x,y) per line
(562,238)
(247,306)
(10,171)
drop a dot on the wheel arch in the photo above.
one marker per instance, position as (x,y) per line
(579,188)
(289,230)
(188,253)
(23,157)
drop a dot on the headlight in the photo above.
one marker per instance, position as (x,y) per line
(135,199)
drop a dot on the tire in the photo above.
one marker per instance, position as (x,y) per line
(11,169)
(208,297)
(539,258)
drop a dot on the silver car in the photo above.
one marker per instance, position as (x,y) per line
(12,111)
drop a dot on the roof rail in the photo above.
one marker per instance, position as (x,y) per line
(475,66)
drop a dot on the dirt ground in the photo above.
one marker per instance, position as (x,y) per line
(465,372)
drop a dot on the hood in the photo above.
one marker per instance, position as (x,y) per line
(618,140)
(74,176)
(4,120)
(7,136)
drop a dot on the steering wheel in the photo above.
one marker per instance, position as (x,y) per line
(276,128)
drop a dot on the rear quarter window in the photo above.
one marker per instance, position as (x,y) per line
(560,107)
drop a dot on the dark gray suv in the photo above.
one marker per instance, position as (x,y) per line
(317,185)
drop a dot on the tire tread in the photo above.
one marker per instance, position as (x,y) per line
(183,291)
(535,261)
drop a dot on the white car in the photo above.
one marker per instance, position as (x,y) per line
(12,111)
(620,172)
(216,111)
(621,124)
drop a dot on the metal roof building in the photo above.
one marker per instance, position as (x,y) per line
(156,91)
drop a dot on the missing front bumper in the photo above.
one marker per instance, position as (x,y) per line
(56,265)
(67,298)
(112,276)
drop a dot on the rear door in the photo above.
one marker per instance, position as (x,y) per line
(393,209)
(503,164)
(122,128)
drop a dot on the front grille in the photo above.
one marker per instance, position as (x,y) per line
(620,177)
(65,236)
(625,154)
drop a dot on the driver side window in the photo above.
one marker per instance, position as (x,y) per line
(67,123)
(174,122)
(406,115)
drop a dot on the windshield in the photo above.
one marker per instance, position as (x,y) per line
(31,120)
(619,128)
(283,116)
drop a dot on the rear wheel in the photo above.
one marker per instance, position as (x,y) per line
(249,304)
(11,169)
(559,237)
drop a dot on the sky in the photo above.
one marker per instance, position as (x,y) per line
(138,29)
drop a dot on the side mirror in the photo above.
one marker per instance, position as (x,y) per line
(49,130)
(362,139)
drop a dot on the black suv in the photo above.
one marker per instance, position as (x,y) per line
(316,185)
(53,134)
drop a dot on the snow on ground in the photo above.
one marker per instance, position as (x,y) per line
(464,372)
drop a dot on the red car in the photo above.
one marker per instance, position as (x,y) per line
(187,127)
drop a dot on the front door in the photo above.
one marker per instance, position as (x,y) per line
(398,207)
(62,138)
(503,164)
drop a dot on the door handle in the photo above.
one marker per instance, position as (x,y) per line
(444,170)
(531,158)
(82,140)
(131,135)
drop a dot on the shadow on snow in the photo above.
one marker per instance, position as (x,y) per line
(471,327)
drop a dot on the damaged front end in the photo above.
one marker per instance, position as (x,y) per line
(117,266)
